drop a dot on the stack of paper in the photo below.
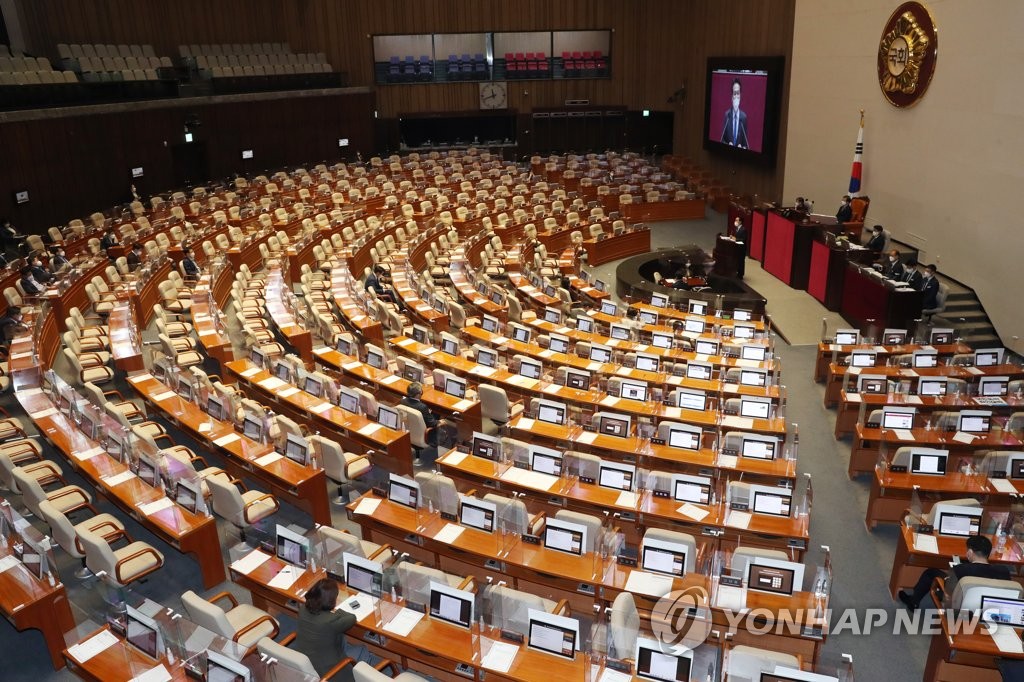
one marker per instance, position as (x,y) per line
(403,623)
(88,648)
(651,584)
(250,562)
(500,657)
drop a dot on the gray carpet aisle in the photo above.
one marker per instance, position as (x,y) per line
(862,560)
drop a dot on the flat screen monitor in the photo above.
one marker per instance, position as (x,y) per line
(783,674)
(487,358)
(655,662)
(438,305)
(558,343)
(694,325)
(659,300)
(647,317)
(753,377)
(282,370)
(661,340)
(375,359)
(659,556)
(421,334)
(974,421)
(247,154)
(614,425)
(556,635)
(609,308)
(215,407)
(577,379)
(451,605)
(929,462)
(412,372)
(185,390)
(220,668)
(647,363)
(565,536)
(143,633)
(187,495)
(759,447)
(699,370)
(872,384)
(585,324)
(754,408)
(847,337)
(313,386)
(549,290)
(894,337)
(550,412)
(497,298)
(697,307)
(933,386)
(490,324)
(620,332)
(387,417)
(616,476)
(345,346)
(773,577)
(924,358)
(993,386)
(455,387)
(743,331)
(705,347)
(600,353)
(485,446)
(633,390)
(940,337)
(601,286)
(863,358)
(348,400)
(545,460)
(1002,611)
(897,419)
(252,427)
(691,400)
(403,491)
(292,547)
(693,489)
(1015,468)
(531,369)
(478,514)
(449,346)
(988,357)
(553,315)
(774,502)
(296,448)
(137,172)
(685,437)
(520,334)
(959,523)
(362,575)
(257,357)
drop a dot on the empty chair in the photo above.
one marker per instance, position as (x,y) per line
(66,533)
(496,410)
(240,507)
(625,626)
(122,566)
(241,623)
(747,663)
(347,542)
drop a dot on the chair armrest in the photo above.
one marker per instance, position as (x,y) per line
(224,595)
(289,639)
(259,621)
(136,555)
(536,524)
(261,498)
(91,357)
(383,552)
(562,608)
(64,493)
(357,467)
(338,667)
(388,663)
(516,409)
(116,393)
(109,537)
(467,583)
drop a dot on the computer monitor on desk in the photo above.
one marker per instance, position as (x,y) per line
(487,447)
(754,377)
(609,308)
(928,461)
(490,324)
(531,369)
(520,333)
(931,386)
(619,332)
(659,300)
(661,340)
(962,522)
(585,323)
(1002,611)
(685,437)
(974,421)
(296,448)
(707,347)
(633,390)
(924,358)
(451,605)
(143,633)
(551,412)
(363,575)
(863,358)
(421,334)
(783,674)
(941,337)
(221,668)
(558,343)
(486,357)
(655,662)
(313,386)
(348,400)
(659,556)
(755,408)
(699,370)
(774,576)
(600,353)
(578,379)
(479,514)
(847,337)
(292,547)
(553,315)
(565,536)
(388,418)
(648,317)
(872,384)
(894,337)
(743,331)
(697,307)
(694,325)
(614,425)
(898,418)
(690,399)
(551,634)
(991,387)
(755,446)
(455,387)
(771,501)
(412,372)
(616,476)
(403,491)
(690,488)
(988,357)
(545,460)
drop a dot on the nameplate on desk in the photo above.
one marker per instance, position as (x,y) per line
(320,408)
(250,372)
(44,413)
(140,377)
(88,454)
(288,392)
(224,441)
(531,539)
(164,395)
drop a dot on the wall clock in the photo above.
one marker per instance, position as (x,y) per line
(493,95)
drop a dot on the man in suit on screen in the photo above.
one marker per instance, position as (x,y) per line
(734,131)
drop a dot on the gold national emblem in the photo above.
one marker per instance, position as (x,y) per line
(907,54)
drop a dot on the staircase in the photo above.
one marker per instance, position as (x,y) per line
(967,316)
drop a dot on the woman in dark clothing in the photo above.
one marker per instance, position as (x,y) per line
(321,631)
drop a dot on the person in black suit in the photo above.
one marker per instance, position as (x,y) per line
(802,205)
(877,241)
(845,212)
(12,324)
(413,399)
(893,267)
(29,283)
(734,129)
(134,257)
(59,261)
(375,282)
(979,548)
(321,628)
(930,287)
(913,276)
(39,271)
(189,265)
(739,234)
(109,239)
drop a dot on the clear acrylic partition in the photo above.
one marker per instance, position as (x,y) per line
(38,570)
(513,523)
(804,501)
(791,445)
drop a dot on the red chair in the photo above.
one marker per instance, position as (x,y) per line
(577,55)
(566,56)
(586,56)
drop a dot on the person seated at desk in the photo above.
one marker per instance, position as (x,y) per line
(804,206)
(39,271)
(892,268)
(9,236)
(29,283)
(135,257)
(189,265)
(930,287)
(979,548)
(845,212)
(12,324)
(435,426)
(109,239)
(58,261)
(877,241)
(321,630)
(913,275)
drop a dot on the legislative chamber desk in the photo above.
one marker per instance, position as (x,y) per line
(787,248)
(28,602)
(852,404)
(653,211)
(830,353)
(841,375)
(283,317)
(868,296)
(617,246)
(391,449)
(581,580)
(868,441)
(827,274)
(302,486)
(962,653)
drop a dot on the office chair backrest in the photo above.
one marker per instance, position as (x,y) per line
(592,523)
(625,626)
(413,422)
(206,614)
(349,543)
(227,501)
(439,490)
(415,580)
(964,502)
(684,539)
(511,607)
(969,591)
(99,557)
(746,663)
(512,513)
(61,528)
(286,657)
(742,555)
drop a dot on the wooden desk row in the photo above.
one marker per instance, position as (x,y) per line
(841,376)
(869,442)
(830,353)
(855,408)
